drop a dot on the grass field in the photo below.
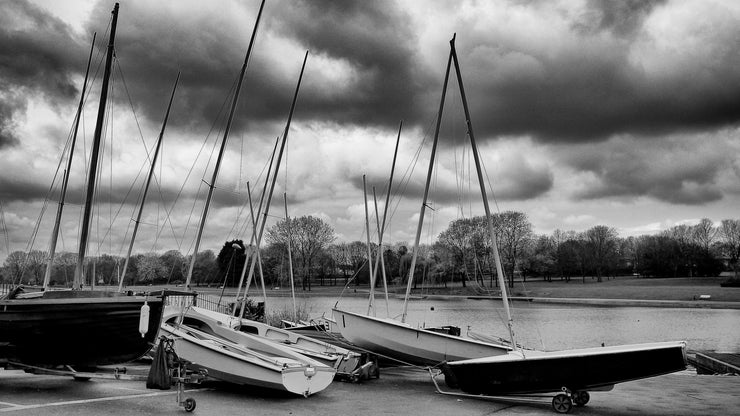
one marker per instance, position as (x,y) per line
(623,287)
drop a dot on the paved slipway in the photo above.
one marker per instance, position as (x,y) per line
(399,391)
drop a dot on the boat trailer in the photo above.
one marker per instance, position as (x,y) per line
(179,376)
(562,402)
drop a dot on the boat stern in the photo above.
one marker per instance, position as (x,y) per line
(307,380)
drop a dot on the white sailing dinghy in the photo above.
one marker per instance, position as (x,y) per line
(399,340)
(241,358)
(226,354)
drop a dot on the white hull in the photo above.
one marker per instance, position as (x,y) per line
(245,359)
(324,352)
(405,343)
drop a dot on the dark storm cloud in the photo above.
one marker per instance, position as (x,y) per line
(592,87)
(378,43)
(520,182)
(622,18)
(673,173)
(37,53)
(152,46)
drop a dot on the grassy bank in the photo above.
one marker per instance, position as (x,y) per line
(626,287)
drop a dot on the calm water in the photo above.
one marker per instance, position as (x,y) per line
(554,327)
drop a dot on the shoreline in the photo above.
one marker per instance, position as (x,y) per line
(624,291)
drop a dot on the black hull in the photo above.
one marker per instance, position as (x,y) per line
(77,328)
(575,372)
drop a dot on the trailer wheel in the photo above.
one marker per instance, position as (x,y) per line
(580,398)
(79,378)
(561,403)
(189,404)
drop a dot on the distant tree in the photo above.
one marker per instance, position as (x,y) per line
(176,266)
(684,238)
(729,233)
(64,268)
(150,268)
(456,248)
(308,236)
(514,233)
(704,234)
(230,262)
(14,266)
(35,266)
(540,258)
(602,243)
(657,256)
(106,268)
(205,267)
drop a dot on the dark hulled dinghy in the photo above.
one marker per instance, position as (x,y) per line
(576,370)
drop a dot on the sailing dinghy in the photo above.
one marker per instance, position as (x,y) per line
(399,340)
(79,328)
(240,358)
(571,373)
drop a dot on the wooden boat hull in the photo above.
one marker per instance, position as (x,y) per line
(402,342)
(233,363)
(577,370)
(80,328)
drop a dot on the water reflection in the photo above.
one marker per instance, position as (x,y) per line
(555,327)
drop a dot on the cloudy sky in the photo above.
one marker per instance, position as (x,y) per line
(618,113)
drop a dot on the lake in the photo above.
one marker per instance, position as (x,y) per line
(554,327)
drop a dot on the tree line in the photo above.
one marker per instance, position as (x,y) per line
(462,253)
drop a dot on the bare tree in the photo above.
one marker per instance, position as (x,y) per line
(704,234)
(151,268)
(514,233)
(729,232)
(603,248)
(308,235)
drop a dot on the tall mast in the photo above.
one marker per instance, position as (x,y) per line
(79,270)
(65,179)
(379,256)
(259,257)
(381,231)
(274,179)
(426,191)
(371,300)
(290,258)
(491,231)
(254,226)
(146,187)
(212,185)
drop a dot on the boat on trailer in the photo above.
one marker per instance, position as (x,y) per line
(243,359)
(577,370)
(245,330)
(571,373)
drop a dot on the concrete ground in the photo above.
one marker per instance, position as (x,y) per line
(399,391)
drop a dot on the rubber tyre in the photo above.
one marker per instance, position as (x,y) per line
(561,403)
(580,398)
(189,404)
